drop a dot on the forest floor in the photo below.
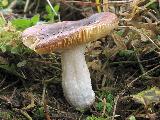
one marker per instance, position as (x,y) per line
(124,66)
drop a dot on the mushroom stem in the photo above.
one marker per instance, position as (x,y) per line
(76,81)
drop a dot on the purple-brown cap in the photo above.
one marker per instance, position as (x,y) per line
(46,38)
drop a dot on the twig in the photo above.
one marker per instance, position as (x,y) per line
(43,93)
(105,6)
(104,106)
(1,14)
(133,62)
(115,106)
(14,91)
(26,115)
(46,111)
(95,4)
(72,7)
(98,6)
(44,102)
(12,5)
(1,83)
(31,5)
(149,3)
(53,10)
(31,105)
(26,6)
(137,30)
(9,85)
(36,9)
(146,37)
(131,83)
(123,62)
(139,62)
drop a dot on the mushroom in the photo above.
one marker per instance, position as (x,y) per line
(70,38)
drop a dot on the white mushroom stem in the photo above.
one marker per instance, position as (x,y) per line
(76,81)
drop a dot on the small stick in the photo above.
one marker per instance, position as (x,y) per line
(139,62)
(12,5)
(26,115)
(53,10)
(9,85)
(137,30)
(36,9)
(130,84)
(98,7)
(104,106)
(26,6)
(1,83)
(115,106)
(105,6)
(97,4)
(1,14)
(43,93)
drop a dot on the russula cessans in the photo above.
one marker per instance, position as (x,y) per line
(70,38)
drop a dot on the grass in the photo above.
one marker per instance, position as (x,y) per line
(124,66)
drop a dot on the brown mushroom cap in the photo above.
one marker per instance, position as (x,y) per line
(46,38)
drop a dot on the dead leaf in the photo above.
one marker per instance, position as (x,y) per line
(148,97)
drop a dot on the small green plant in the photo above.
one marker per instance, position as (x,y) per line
(6,115)
(3,3)
(126,53)
(95,118)
(148,97)
(10,43)
(158,37)
(2,23)
(10,34)
(100,105)
(24,23)
(50,14)
(132,117)
(152,4)
(39,113)
(109,102)
(9,37)
(120,32)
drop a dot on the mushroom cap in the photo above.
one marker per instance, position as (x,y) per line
(47,38)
